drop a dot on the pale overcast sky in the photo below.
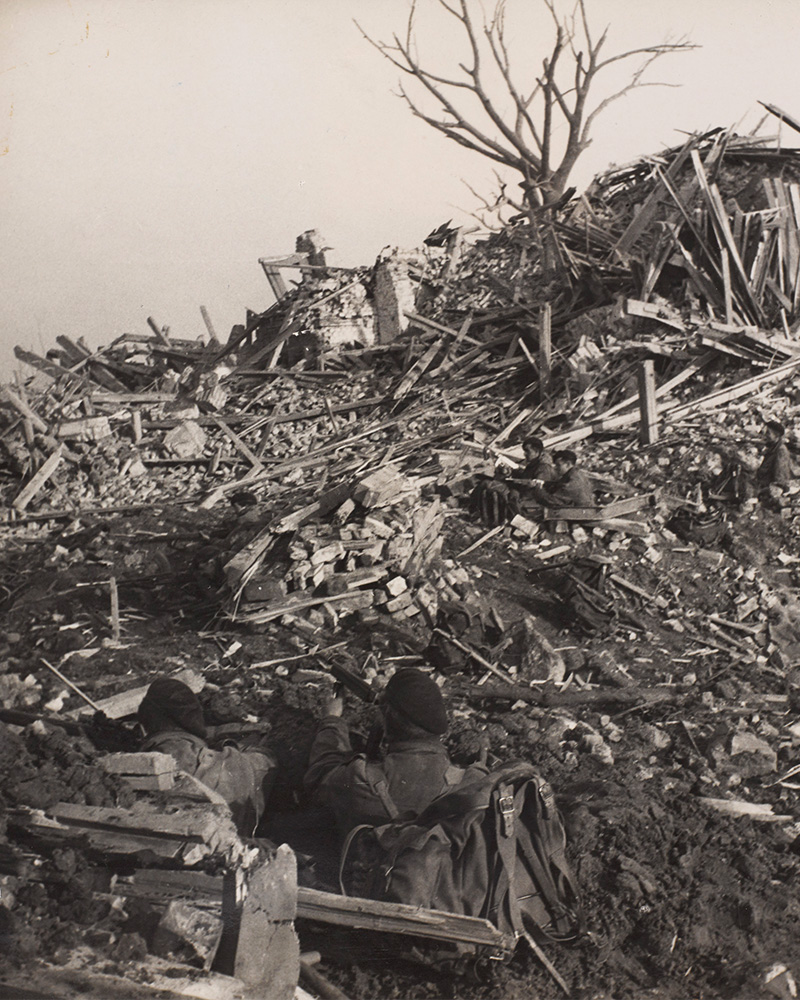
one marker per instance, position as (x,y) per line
(153,150)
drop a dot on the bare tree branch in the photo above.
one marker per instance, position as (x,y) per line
(519,127)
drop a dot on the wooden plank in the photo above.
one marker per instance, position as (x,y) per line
(722,396)
(155,979)
(161,336)
(545,348)
(398,918)
(726,280)
(663,389)
(639,591)
(120,705)
(267,955)
(212,333)
(289,606)
(783,115)
(50,368)
(326,503)
(24,409)
(289,326)
(196,825)
(28,492)
(416,371)
(114,597)
(162,885)
(462,333)
(720,217)
(661,313)
(238,444)
(617,508)
(646,212)
(648,413)
(275,279)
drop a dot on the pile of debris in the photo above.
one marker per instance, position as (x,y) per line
(315,473)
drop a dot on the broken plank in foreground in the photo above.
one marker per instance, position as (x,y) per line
(399,918)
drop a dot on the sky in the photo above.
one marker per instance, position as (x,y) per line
(152,150)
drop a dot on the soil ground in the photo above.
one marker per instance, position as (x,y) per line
(683,902)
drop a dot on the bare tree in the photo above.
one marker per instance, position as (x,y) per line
(525,137)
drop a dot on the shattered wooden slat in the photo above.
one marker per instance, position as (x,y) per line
(50,368)
(416,371)
(212,333)
(154,978)
(433,325)
(75,352)
(238,444)
(24,409)
(398,918)
(297,602)
(29,491)
(545,348)
(720,217)
(646,212)
(157,330)
(783,115)
(126,703)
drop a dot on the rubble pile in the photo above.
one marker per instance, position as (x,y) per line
(299,498)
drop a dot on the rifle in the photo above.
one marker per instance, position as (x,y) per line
(108,735)
(352,682)
(364,691)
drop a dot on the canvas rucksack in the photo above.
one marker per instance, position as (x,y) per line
(493,847)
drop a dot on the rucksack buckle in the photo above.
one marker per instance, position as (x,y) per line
(506,804)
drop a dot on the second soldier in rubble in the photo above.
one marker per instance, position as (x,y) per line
(776,464)
(571,486)
(172,718)
(415,769)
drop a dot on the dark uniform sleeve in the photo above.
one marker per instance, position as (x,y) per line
(330,750)
(354,788)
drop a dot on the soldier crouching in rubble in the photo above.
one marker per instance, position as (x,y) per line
(539,465)
(416,767)
(772,479)
(570,488)
(497,500)
(172,719)
(775,472)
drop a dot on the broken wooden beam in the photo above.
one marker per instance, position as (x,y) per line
(238,444)
(24,409)
(399,918)
(119,706)
(158,330)
(29,491)
(212,333)
(648,413)
(545,349)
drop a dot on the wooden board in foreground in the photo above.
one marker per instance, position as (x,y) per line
(399,918)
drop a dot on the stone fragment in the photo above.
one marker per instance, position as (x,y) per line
(187,440)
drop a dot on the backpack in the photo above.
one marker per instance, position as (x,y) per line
(464,621)
(703,528)
(493,847)
(494,502)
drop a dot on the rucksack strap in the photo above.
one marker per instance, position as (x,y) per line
(380,786)
(505,816)
(345,850)
(554,882)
